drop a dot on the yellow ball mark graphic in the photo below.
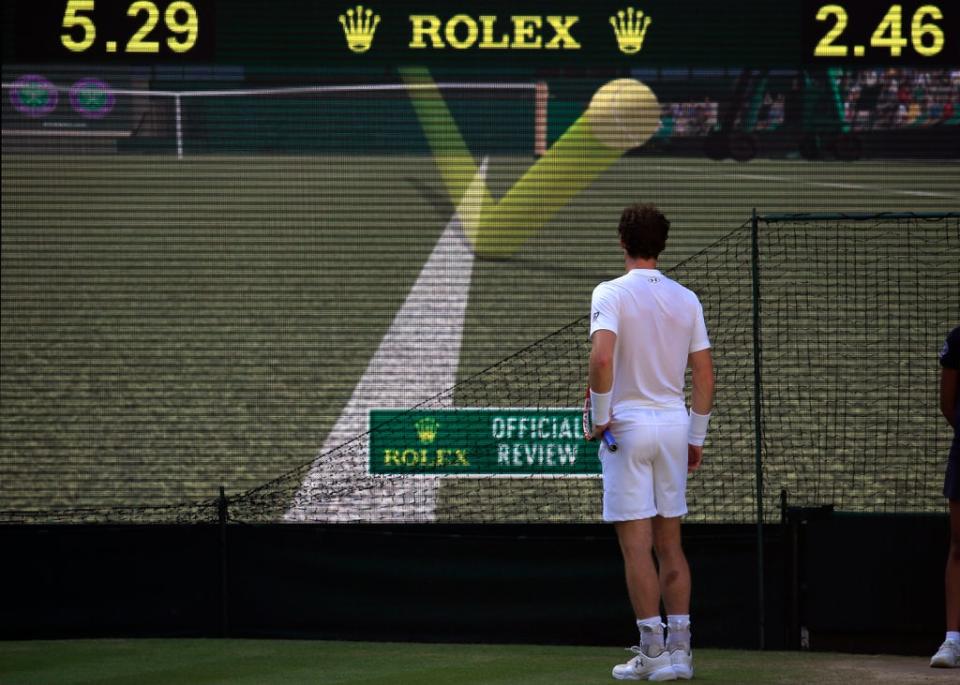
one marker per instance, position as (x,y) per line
(622,115)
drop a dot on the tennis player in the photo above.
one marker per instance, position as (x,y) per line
(948,656)
(645,330)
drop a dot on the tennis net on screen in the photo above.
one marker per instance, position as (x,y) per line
(352,118)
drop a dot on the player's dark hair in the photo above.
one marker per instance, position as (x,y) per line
(643,231)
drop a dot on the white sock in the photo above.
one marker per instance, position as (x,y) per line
(953,635)
(678,635)
(651,635)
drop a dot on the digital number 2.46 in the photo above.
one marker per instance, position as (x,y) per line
(926,37)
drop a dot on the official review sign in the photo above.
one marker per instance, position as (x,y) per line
(480,442)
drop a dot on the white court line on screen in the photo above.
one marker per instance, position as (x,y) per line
(923,193)
(417,360)
(801,181)
(842,186)
(751,177)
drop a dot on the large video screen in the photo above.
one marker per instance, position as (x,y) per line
(336,259)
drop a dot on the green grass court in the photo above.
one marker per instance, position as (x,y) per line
(169,326)
(148,662)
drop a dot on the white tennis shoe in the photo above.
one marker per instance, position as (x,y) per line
(948,656)
(682,662)
(643,667)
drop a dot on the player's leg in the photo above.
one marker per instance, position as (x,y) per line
(652,661)
(670,485)
(953,569)
(675,589)
(636,545)
(948,656)
(628,503)
(674,577)
(670,482)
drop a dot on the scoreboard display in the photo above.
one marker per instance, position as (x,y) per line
(557,33)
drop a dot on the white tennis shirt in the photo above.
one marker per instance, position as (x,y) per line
(658,323)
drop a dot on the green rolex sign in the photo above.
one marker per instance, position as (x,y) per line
(480,442)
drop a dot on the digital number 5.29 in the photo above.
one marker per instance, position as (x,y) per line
(180,18)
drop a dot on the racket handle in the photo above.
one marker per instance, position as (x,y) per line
(609,440)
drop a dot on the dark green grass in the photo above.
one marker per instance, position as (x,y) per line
(169,327)
(238,662)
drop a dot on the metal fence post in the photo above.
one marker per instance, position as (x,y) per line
(757,424)
(222,513)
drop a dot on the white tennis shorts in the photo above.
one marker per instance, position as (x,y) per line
(647,475)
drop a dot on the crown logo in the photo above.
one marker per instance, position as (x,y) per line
(427,428)
(630,28)
(359,26)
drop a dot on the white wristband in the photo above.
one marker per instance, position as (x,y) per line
(600,407)
(698,428)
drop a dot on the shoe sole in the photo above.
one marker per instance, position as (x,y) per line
(664,674)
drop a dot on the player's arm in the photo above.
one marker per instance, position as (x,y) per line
(603,343)
(604,320)
(602,346)
(701,375)
(949,369)
(701,403)
(949,379)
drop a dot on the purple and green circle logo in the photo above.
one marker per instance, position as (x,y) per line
(33,96)
(92,98)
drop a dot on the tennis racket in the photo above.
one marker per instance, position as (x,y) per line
(608,439)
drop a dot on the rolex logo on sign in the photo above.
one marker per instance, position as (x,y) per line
(630,28)
(427,428)
(359,26)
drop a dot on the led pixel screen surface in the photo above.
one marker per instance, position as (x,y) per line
(337,258)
